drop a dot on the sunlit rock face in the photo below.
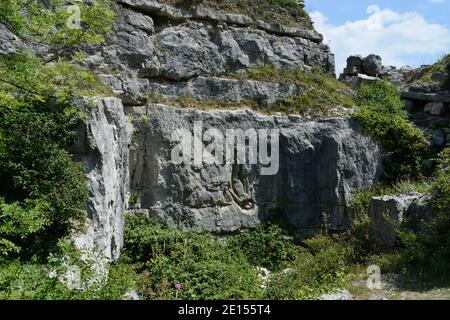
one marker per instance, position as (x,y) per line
(161,53)
(102,146)
(318,165)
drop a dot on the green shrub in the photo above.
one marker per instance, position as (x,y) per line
(437,237)
(383,118)
(42,189)
(204,267)
(266,246)
(381,97)
(19,222)
(403,145)
(31,281)
(324,266)
(40,181)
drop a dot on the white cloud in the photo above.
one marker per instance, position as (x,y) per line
(398,38)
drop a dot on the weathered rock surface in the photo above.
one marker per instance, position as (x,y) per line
(361,70)
(396,75)
(157,42)
(8,41)
(320,164)
(354,65)
(372,65)
(201,12)
(156,49)
(229,90)
(425,96)
(386,214)
(419,214)
(102,145)
(429,108)
(354,81)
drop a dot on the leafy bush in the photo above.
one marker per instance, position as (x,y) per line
(43,21)
(40,182)
(266,246)
(381,97)
(42,188)
(19,222)
(382,117)
(323,267)
(204,267)
(437,237)
(31,281)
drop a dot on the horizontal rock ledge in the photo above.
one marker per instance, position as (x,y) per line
(225,89)
(428,97)
(200,12)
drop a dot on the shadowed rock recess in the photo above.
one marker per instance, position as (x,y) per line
(159,51)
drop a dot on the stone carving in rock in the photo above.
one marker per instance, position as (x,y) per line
(223,89)
(239,187)
(320,164)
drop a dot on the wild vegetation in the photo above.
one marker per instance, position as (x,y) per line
(425,74)
(324,95)
(322,91)
(287,12)
(43,189)
(382,116)
(422,254)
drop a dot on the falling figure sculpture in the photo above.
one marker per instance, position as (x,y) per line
(239,188)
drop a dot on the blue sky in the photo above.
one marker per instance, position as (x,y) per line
(403,32)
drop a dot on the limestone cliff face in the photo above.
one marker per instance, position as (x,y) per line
(102,145)
(157,50)
(320,164)
(161,51)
